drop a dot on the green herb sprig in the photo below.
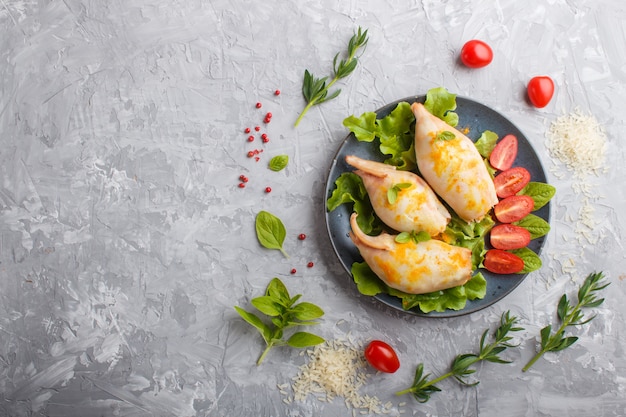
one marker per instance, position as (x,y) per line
(570,315)
(284,313)
(316,91)
(423,387)
(413,236)
(392,192)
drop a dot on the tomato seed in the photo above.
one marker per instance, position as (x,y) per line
(268,189)
(259,105)
(301,236)
(310,264)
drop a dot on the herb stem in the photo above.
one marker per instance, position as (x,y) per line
(315,90)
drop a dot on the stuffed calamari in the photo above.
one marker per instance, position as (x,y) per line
(415,268)
(450,163)
(401,199)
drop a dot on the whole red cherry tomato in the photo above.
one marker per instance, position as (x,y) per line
(476,54)
(540,90)
(382,356)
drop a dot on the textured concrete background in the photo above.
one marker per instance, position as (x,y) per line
(126,242)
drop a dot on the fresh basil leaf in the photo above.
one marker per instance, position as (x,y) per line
(304,339)
(255,321)
(267,306)
(403,237)
(540,192)
(278,292)
(270,231)
(306,311)
(532,262)
(392,193)
(535,225)
(278,162)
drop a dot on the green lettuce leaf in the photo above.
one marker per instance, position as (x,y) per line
(349,188)
(441,103)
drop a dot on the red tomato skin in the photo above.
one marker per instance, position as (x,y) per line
(476,54)
(382,356)
(504,153)
(511,181)
(502,262)
(509,236)
(540,91)
(514,208)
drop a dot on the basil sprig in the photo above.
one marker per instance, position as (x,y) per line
(284,313)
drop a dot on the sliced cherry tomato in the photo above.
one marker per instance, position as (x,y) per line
(504,153)
(509,236)
(540,90)
(500,261)
(382,356)
(476,54)
(511,181)
(513,208)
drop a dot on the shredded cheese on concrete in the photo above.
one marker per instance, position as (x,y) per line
(336,369)
(578,141)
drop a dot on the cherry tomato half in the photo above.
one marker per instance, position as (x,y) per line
(511,181)
(540,90)
(509,236)
(504,153)
(502,262)
(382,356)
(514,208)
(476,54)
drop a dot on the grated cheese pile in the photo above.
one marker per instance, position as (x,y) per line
(335,369)
(579,142)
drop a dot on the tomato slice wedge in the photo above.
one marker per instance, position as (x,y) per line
(500,261)
(509,236)
(514,208)
(511,181)
(504,153)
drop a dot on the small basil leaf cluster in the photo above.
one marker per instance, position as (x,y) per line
(284,312)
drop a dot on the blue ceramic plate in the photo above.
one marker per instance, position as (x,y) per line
(478,118)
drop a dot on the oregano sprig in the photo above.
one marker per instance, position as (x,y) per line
(316,90)
(423,386)
(570,315)
(284,313)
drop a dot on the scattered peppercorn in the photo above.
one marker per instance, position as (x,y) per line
(268,189)
(243,178)
(293,271)
(277,92)
(310,264)
(247,130)
(259,105)
(250,138)
(242,185)
(301,236)
(257,128)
